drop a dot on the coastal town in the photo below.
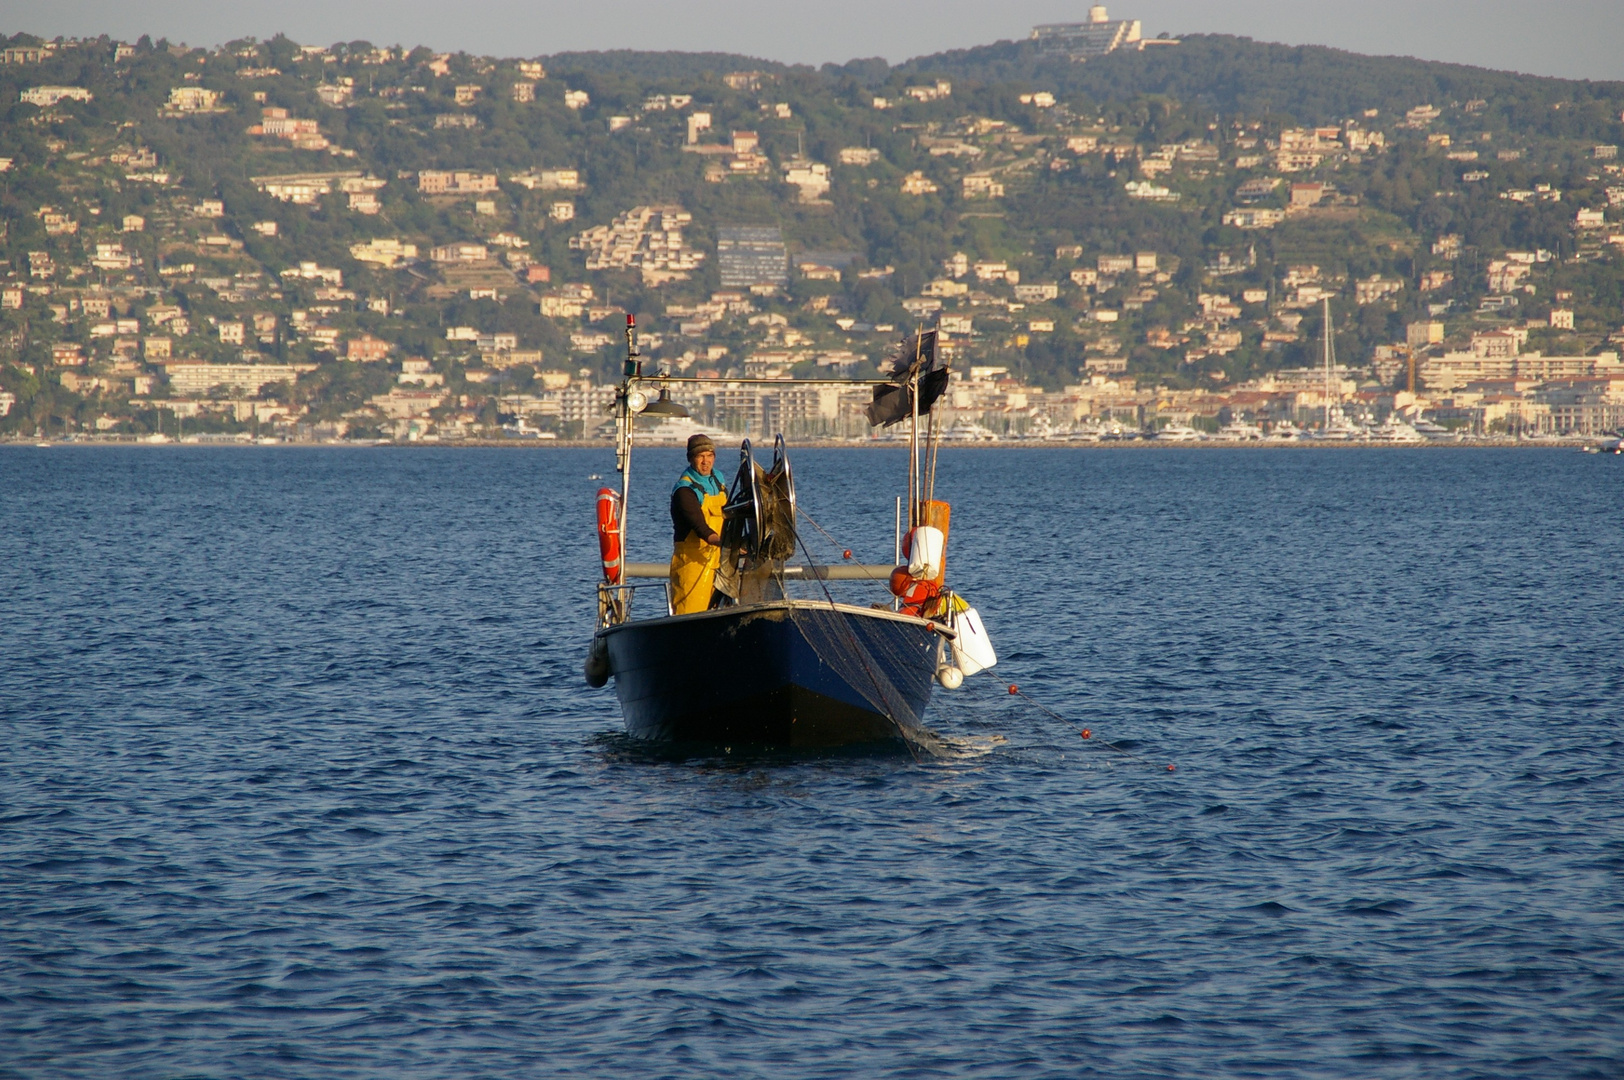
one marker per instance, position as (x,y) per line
(280,242)
(692,541)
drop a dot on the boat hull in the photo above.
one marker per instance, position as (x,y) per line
(796,674)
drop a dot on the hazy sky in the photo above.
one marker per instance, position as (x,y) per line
(1570,38)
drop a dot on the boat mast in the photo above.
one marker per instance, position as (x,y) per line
(624,418)
(1327,351)
(913,434)
(933,442)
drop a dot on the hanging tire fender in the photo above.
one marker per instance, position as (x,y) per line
(596,667)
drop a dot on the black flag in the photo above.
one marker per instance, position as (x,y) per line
(893,402)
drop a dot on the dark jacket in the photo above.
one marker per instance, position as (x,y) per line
(687,516)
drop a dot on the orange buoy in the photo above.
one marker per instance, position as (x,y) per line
(609,535)
(915,593)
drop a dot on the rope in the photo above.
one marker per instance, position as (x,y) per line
(800,513)
(1086,733)
(1014,690)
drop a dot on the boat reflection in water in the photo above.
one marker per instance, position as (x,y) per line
(777,660)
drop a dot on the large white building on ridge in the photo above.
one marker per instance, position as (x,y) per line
(1098,36)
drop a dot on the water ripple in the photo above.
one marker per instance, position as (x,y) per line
(298,778)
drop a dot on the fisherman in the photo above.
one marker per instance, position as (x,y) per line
(696,519)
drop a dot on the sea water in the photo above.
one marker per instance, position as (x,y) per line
(299,778)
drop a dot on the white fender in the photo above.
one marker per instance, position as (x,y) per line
(972,648)
(925,552)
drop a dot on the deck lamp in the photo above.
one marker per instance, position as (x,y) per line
(664,406)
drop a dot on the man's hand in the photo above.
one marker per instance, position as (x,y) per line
(714,539)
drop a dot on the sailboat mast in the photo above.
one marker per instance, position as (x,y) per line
(1327,352)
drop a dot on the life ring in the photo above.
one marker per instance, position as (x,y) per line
(609,535)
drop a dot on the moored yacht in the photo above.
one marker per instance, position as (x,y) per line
(968,431)
(1341,429)
(1178,433)
(1430,430)
(1043,428)
(1240,431)
(1337,427)
(1395,430)
(1088,431)
(1285,431)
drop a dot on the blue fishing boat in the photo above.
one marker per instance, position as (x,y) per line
(761,667)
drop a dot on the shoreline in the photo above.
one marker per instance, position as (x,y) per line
(1566,443)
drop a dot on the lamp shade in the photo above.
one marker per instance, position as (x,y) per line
(664,406)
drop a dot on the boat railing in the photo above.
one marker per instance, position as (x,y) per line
(615,601)
(841,571)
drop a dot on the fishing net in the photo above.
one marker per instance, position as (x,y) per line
(758,530)
(870,656)
(888,664)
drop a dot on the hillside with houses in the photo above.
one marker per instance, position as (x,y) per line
(302,241)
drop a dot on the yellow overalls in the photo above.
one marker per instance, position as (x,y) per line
(694,562)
